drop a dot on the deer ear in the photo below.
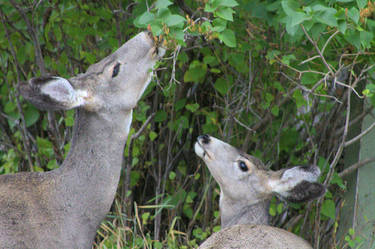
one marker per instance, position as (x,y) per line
(298,184)
(304,191)
(52,93)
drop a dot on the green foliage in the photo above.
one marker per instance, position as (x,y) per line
(263,75)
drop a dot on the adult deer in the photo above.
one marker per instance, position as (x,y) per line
(63,208)
(246,187)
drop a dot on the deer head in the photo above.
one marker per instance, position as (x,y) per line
(244,181)
(114,84)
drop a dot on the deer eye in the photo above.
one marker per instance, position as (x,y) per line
(242,165)
(116,70)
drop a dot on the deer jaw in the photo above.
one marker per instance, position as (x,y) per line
(246,186)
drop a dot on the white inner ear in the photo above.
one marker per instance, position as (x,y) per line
(62,91)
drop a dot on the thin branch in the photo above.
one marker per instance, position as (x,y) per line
(342,144)
(139,132)
(356,166)
(352,88)
(317,50)
(355,139)
(32,33)
(243,125)
(324,47)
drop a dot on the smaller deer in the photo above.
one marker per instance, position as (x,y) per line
(246,188)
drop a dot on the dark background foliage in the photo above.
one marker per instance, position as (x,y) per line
(274,78)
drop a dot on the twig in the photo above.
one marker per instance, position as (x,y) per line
(324,47)
(173,74)
(243,125)
(355,120)
(139,132)
(355,166)
(355,139)
(317,50)
(32,33)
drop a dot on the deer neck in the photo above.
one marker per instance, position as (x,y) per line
(234,212)
(90,174)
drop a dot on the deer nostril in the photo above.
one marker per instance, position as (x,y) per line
(204,138)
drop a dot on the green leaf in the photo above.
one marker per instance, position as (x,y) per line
(366,38)
(45,146)
(299,18)
(275,110)
(163,14)
(52,164)
(287,58)
(192,107)
(182,122)
(225,13)
(69,118)
(280,208)
(157,28)
(272,210)
(179,35)
(160,4)
(216,229)
(222,86)
(172,175)
(180,104)
(353,37)
(152,135)
(289,7)
(158,245)
(144,19)
(196,72)
(9,107)
(353,14)
(219,25)
(325,15)
(336,179)
(342,26)
(209,8)
(211,60)
(58,33)
(271,55)
(174,20)
(228,37)
(329,209)
(309,78)
(227,3)
(361,3)
(160,116)
(31,116)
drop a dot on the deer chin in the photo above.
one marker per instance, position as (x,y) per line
(202,153)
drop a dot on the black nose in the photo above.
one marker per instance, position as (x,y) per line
(204,138)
